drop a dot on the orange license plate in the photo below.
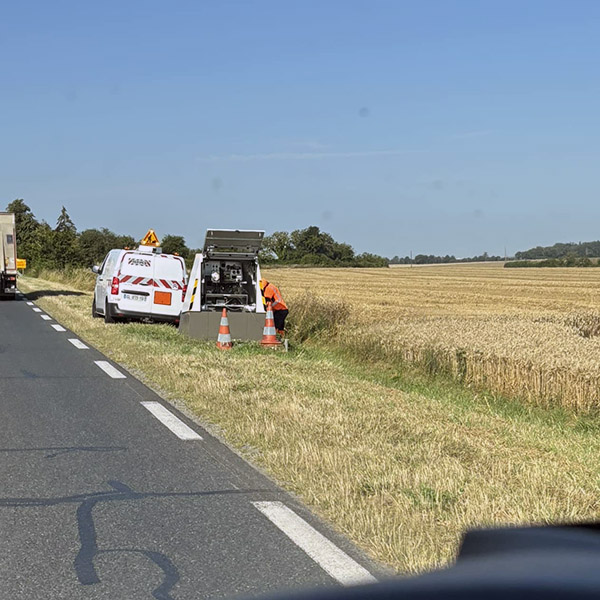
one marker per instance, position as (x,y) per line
(162,298)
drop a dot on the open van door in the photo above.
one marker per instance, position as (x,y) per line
(232,243)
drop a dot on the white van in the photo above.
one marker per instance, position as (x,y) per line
(140,284)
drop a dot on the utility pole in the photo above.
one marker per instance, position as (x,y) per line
(411,260)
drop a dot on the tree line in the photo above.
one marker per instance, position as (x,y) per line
(431,259)
(571,260)
(62,246)
(561,250)
(313,247)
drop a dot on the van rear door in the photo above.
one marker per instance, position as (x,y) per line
(169,282)
(136,282)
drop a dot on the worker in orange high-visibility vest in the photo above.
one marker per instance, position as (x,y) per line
(280,311)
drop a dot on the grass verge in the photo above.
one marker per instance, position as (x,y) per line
(399,461)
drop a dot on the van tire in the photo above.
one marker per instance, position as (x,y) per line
(95,313)
(108,318)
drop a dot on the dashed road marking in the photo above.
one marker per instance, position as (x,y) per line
(58,327)
(324,552)
(46,317)
(169,420)
(109,369)
(36,309)
(30,304)
(78,344)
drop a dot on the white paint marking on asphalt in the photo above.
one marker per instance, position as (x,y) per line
(324,552)
(109,369)
(46,317)
(169,420)
(78,344)
(36,309)
(58,327)
(30,304)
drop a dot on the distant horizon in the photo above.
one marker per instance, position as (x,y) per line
(160,235)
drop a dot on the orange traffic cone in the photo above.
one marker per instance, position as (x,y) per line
(269,339)
(224,338)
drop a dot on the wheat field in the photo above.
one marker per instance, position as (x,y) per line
(526,333)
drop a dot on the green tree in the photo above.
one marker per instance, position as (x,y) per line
(312,241)
(277,247)
(126,241)
(45,239)
(28,231)
(65,250)
(366,259)
(64,224)
(343,253)
(94,244)
(174,244)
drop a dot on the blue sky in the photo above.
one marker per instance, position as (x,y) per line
(433,126)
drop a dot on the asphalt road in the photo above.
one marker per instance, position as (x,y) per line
(99,498)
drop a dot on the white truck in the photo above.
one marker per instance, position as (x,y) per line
(8,256)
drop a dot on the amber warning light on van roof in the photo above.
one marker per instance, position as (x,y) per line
(150,239)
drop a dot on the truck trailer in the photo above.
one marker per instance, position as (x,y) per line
(8,256)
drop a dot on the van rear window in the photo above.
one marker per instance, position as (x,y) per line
(134,264)
(167,268)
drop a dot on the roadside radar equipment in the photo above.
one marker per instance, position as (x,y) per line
(8,256)
(225,275)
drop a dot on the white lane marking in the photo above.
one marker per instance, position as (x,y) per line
(30,304)
(168,419)
(324,552)
(46,317)
(36,309)
(109,369)
(58,327)
(78,344)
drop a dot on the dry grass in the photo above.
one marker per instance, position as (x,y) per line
(403,473)
(78,278)
(531,334)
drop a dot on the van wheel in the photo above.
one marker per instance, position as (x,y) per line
(95,314)
(108,318)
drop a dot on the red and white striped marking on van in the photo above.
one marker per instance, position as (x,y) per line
(164,283)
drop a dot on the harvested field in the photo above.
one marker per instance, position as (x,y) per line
(532,335)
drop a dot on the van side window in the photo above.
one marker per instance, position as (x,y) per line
(112,261)
(104,263)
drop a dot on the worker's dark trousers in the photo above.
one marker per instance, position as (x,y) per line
(279,318)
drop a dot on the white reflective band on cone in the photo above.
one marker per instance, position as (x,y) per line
(269,331)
